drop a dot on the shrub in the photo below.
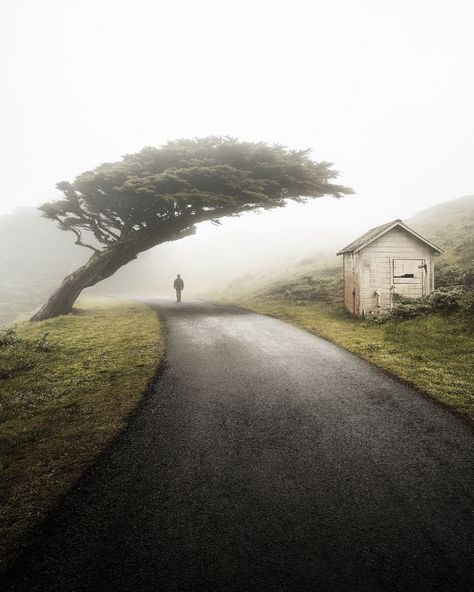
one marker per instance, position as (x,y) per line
(8,337)
(469,279)
(42,343)
(445,299)
(408,308)
(467,306)
(449,275)
(442,300)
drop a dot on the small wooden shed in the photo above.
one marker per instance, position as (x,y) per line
(386,259)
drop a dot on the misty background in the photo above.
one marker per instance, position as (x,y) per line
(383,90)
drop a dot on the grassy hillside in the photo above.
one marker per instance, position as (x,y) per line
(67,386)
(304,280)
(449,225)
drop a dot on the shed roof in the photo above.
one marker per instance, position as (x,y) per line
(377,232)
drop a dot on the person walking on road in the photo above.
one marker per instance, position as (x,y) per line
(179,287)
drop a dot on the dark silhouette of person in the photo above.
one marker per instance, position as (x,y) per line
(178,285)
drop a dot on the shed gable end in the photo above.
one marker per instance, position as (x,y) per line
(395,261)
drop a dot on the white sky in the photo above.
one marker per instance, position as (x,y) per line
(384,89)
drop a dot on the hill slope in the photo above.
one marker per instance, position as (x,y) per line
(449,225)
(34,257)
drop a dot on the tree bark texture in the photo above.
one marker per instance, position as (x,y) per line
(99,267)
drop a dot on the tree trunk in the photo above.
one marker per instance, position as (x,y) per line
(105,263)
(101,265)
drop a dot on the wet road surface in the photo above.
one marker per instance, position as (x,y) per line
(266,459)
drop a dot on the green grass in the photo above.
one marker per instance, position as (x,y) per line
(67,386)
(432,353)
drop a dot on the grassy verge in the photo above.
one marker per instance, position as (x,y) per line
(67,386)
(433,353)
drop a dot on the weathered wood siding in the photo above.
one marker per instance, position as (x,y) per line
(350,280)
(372,268)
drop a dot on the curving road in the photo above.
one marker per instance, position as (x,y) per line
(266,459)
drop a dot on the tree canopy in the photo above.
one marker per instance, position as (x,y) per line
(159,194)
(171,188)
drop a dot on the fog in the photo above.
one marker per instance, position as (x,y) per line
(382,89)
(260,243)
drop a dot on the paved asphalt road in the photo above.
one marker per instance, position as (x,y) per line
(267,459)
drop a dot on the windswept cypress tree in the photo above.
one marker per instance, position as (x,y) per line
(158,195)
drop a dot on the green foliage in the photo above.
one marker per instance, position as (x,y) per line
(469,279)
(8,337)
(442,300)
(454,294)
(467,306)
(449,274)
(160,194)
(445,299)
(161,191)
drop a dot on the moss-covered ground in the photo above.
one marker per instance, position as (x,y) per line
(67,386)
(433,353)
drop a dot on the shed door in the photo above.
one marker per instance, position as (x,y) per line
(409,277)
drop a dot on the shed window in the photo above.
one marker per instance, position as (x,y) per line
(407,269)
